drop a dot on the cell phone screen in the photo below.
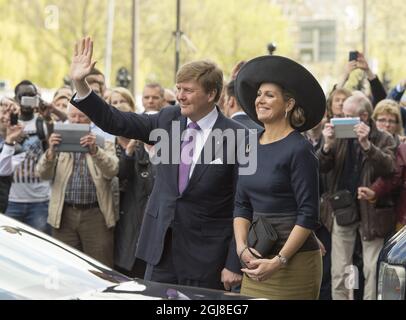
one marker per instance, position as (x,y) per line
(353,55)
(13,119)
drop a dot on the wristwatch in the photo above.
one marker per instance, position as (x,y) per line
(283,260)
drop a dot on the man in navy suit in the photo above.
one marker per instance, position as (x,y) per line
(234,111)
(187,232)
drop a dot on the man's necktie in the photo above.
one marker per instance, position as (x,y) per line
(186,155)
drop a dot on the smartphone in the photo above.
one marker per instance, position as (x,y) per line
(13,119)
(32,102)
(353,55)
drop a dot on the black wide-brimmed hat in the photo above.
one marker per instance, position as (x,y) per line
(288,74)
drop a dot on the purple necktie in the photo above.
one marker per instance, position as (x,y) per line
(185,156)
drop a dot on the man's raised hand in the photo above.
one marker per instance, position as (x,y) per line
(82,63)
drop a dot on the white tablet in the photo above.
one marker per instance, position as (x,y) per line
(344,127)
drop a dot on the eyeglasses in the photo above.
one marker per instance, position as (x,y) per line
(385,121)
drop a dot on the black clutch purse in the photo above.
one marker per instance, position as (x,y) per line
(262,237)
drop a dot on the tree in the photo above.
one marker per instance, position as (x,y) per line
(39,35)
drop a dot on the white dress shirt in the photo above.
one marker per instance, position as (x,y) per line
(206,125)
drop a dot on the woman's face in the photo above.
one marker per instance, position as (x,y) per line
(337,104)
(270,104)
(119,102)
(387,122)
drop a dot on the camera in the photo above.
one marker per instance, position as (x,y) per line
(353,56)
(32,102)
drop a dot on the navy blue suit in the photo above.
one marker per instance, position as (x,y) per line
(201,218)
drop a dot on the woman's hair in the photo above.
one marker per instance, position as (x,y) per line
(329,104)
(297,116)
(126,94)
(390,107)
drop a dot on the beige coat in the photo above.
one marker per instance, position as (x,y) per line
(103,167)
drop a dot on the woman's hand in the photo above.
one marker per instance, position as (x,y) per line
(246,256)
(262,269)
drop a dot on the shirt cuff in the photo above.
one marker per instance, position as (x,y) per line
(78,98)
(399,88)
(242,213)
(8,150)
(307,222)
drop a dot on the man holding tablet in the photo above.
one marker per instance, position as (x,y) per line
(354,155)
(81,209)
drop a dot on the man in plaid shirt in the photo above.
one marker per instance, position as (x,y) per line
(81,209)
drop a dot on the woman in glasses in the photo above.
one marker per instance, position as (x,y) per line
(387,117)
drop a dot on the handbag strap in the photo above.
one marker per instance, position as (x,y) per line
(254,254)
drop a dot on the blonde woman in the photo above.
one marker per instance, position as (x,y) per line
(387,118)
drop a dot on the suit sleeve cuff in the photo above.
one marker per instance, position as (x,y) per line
(78,98)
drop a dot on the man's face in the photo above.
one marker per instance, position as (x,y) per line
(96,83)
(96,87)
(77,116)
(170,98)
(152,99)
(337,104)
(194,102)
(25,91)
(350,110)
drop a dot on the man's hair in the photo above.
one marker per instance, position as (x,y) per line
(329,104)
(24,83)
(96,72)
(204,72)
(231,88)
(362,102)
(153,85)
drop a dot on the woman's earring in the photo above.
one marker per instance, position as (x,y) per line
(286,113)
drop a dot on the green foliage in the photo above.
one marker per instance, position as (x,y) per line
(387,37)
(223,31)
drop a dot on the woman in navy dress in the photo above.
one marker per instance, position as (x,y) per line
(285,99)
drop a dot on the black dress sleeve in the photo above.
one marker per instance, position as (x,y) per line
(242,207)
(305,185)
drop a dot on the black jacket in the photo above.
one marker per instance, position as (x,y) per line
(137,176)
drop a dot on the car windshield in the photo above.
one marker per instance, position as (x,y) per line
(36,266)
